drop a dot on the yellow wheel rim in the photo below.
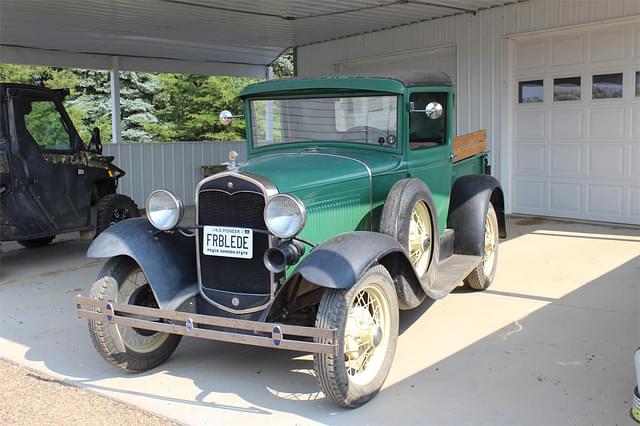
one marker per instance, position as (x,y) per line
(131,338)
(367,334)
(490,244)
(420,238)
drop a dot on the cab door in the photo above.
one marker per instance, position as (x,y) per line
(429,148)
(49,148)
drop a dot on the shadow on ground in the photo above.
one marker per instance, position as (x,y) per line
(535,359)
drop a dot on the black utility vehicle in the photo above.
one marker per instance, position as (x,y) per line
(50,181)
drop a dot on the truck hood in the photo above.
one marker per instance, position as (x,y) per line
(300,170)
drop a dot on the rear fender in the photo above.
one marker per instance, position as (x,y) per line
(167,259)
(470,197)
(339,263)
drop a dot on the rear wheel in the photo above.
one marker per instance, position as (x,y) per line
(482,276)
(366,317)
(36,242)
(128,348)
(114,208)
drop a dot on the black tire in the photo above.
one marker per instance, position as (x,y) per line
(479,278)
(107,337)
(114,208)
(403,198)
(331,370)
(36,242)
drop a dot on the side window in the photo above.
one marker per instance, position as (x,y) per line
(46,126)
(423,131)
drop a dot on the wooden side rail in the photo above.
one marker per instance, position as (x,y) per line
(469,144)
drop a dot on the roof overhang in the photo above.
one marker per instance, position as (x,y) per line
(196,36)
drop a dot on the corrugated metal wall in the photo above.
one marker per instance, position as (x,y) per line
(483,94)
(174,166)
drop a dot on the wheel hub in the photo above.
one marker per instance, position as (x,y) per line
(376,335)
(362,333)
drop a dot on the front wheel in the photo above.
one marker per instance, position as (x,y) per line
(366,318)
(128,348)
(482,276)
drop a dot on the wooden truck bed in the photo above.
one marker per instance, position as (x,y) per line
(469,144)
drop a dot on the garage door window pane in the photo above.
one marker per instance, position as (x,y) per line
(637,83)
(530,91)
(566,89)
(606,86)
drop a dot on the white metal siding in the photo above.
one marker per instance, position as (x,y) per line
(175,166)
(422,60)
(483,70)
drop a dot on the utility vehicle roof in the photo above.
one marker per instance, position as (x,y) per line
(59,92)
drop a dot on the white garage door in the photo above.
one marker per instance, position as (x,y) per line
(422,60)
(576,124)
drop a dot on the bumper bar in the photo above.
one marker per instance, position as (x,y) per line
(186,324)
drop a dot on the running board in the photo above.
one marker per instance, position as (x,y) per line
(451,272)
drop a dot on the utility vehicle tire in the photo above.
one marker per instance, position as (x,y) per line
(482,276)
(36,242)
(114,208)
(132,350)
(366,318)
(407,217)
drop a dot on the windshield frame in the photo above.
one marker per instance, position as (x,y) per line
(315,94)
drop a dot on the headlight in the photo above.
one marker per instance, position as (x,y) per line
(164,209)
(285,215)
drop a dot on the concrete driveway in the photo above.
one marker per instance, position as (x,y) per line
(551,342)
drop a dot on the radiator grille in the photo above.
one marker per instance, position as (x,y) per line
(242,209)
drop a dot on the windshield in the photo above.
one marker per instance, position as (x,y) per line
(362,119)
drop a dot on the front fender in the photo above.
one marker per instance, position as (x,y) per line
(340,262)
(167,259)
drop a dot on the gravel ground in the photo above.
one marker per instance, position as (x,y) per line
(33,398)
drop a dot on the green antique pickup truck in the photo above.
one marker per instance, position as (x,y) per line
(356,201)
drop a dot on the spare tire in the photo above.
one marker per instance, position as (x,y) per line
(409,216)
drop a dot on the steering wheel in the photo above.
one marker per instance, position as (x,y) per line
(371,134)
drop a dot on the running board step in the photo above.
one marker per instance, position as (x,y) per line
(451,272)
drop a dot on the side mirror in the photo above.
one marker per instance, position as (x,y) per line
(95,143)
(226,117)
(433,110)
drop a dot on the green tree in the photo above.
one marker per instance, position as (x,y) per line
(283,65)
(154,107)
(189,105)
(89,104)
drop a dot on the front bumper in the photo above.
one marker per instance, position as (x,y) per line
(269,335)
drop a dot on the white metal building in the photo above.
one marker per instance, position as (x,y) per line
(555,82)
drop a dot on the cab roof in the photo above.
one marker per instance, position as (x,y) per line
(6,85)
(390,84)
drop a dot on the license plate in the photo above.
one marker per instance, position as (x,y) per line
(227,242)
